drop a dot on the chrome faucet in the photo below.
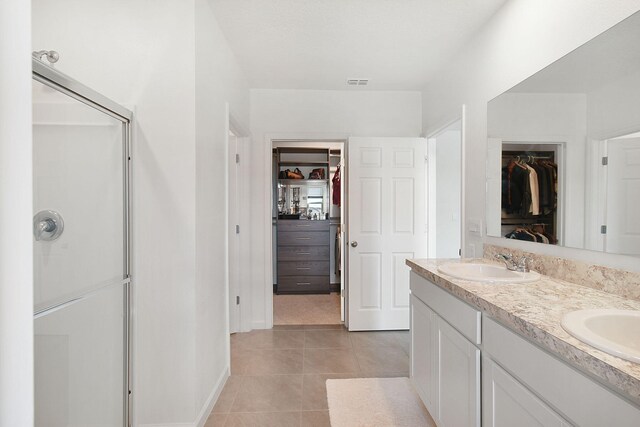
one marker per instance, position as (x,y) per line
(514,263)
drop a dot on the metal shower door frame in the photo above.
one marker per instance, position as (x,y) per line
(63,83)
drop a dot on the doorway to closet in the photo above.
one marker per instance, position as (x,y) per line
(307,232)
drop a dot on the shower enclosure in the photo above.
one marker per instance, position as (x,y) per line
(81,254)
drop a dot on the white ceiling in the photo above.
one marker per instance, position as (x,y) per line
(319,44)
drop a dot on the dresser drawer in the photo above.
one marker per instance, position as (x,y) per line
(303,268)
(302,225)
(303,238)
(303,253)
(302,284)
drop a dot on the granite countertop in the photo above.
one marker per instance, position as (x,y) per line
(535,310)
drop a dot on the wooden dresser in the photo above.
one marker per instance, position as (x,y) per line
(303,256)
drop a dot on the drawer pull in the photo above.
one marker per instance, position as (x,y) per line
(303,268)
(303,283)
(303,253)
(303,238)
(303,225)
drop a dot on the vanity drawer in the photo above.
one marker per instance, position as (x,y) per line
(302,225)
(305,238)
(301,284)
(303,253)
(582,400)
(459,314)
(303,268)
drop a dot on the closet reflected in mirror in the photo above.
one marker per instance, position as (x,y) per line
(563,151)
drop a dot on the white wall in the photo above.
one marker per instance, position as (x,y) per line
(311,114)
(143,55)
(16,258)
(522,38)
(448,192)
(219,81)
(614,109)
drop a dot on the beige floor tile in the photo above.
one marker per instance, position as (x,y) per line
(228,394)
(275,361)
(320,309)
(315,419)
(284,339)
(216,420)
(404,341)
(288,327)
(264,419)
(314,390)
(380,360)
(327,339)
(269,393)
(329,361)
(268,339)
(240,360)
(374,339)
(248,340)
(322,327)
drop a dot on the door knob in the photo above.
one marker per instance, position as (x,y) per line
(354,244)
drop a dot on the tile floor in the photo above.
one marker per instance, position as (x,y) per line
(278,376)
(317,309)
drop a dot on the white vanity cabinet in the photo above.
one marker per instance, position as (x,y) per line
(520,378)
(445,363)
(508,403)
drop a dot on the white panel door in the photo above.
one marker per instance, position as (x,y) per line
(386,225)
(508,403)
(458,378)
(623,196)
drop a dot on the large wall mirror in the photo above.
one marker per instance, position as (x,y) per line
(563,160)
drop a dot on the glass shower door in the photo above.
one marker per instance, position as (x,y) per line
(81,280)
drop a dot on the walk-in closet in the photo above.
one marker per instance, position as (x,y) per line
(307,232)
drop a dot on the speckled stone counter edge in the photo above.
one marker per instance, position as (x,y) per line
(619,282)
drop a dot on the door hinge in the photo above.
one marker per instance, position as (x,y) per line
(459,252)
(605,161)
(237,158)
(603,229)
(237,229)
(238,300)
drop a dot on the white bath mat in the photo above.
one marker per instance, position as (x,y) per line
(375,402)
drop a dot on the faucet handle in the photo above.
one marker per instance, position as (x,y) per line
(523,264)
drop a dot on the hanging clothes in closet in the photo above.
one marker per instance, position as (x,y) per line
(529,196)
(529,188)
(338,250)
(336,187)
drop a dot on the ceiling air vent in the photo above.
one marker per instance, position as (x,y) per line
(358,82)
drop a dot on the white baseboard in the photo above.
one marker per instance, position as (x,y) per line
(259,324)
(201,419)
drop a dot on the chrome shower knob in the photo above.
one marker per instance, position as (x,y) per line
(47,225)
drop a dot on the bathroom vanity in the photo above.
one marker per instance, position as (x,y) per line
(495,354)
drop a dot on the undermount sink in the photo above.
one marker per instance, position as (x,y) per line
(487,273)
(616,332)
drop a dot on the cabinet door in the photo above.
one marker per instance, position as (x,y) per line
(458,378)
(424,353)
(508,403)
